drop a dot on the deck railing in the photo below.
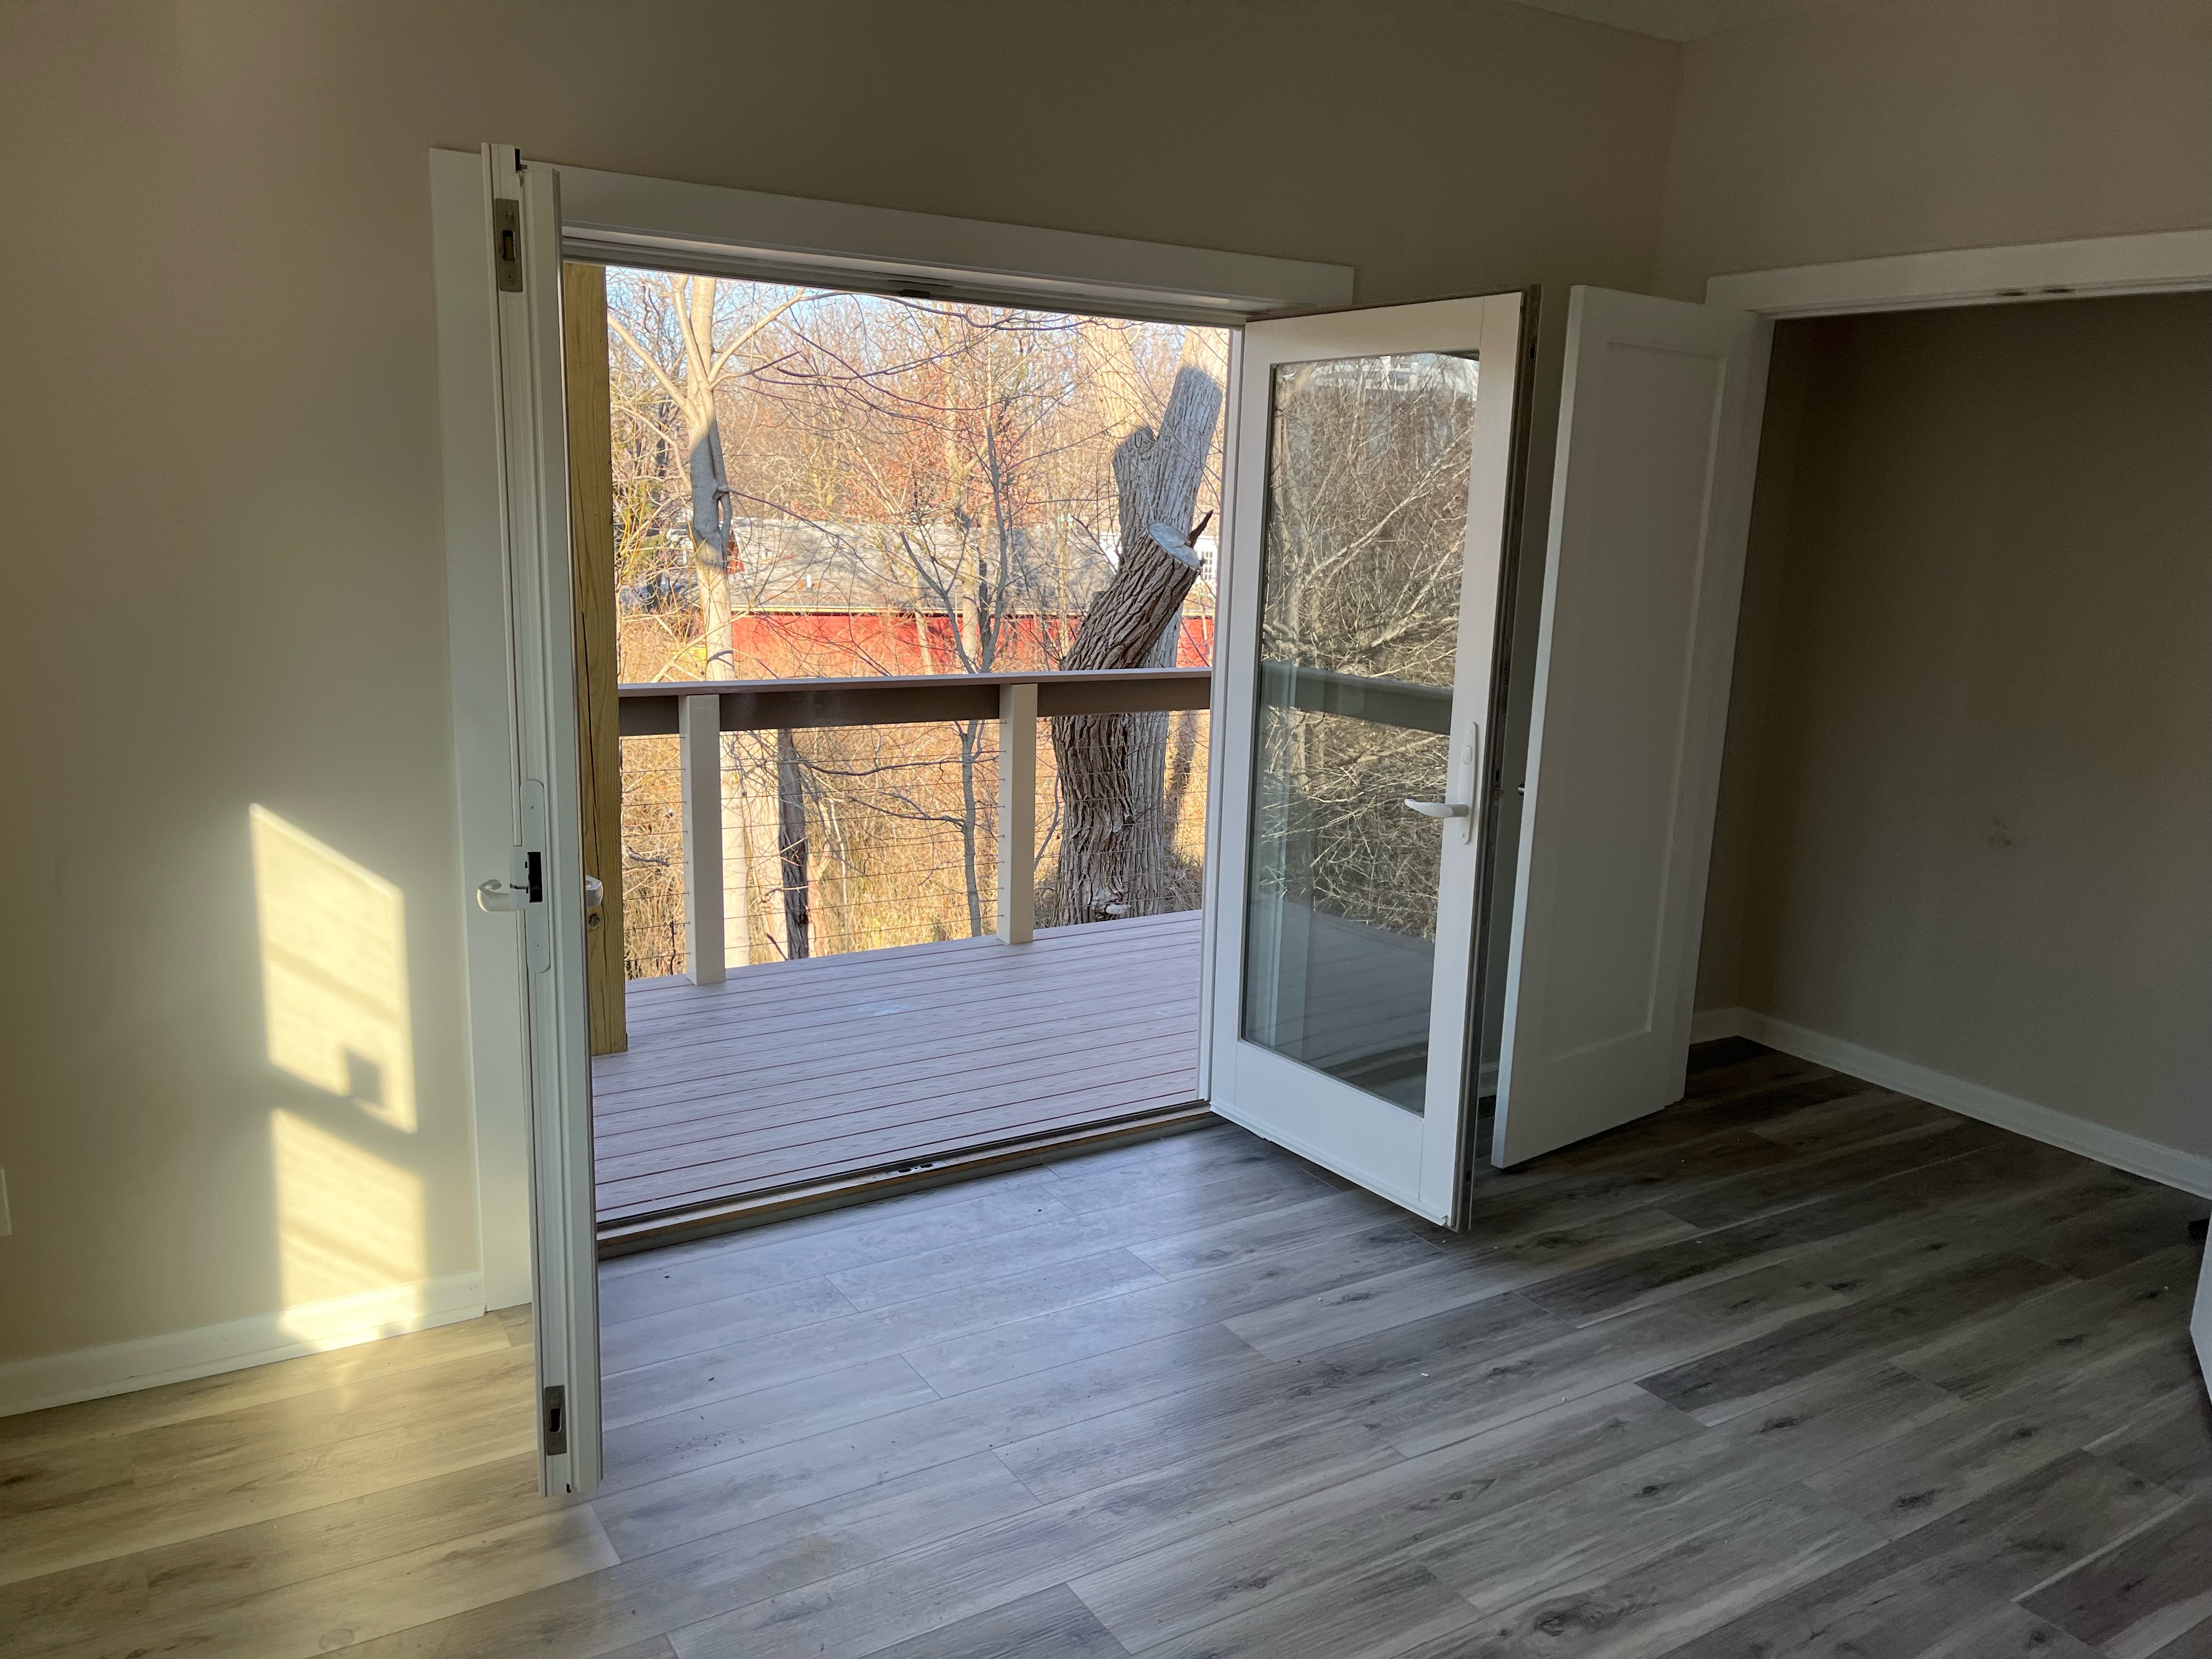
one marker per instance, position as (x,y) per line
(697,714)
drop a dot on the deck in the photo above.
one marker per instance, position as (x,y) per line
(794,1072)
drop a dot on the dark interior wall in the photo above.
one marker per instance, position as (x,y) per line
(1967,807)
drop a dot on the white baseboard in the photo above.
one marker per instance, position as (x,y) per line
(59,1379)
(2190,1171)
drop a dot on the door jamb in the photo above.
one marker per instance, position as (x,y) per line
(617,217)
(2162,261)
(2102,267)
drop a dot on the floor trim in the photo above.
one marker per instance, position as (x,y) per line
(2190,1171)
(627,1237)
(62,1379)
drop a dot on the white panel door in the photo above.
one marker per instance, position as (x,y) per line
(1651,503)
(543,884)
(1371,452)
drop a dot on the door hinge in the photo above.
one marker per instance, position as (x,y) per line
(556,1421)
(507,244)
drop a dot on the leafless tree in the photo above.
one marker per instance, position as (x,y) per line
(691,366)
(961,473)
(1366,521)
(1113,849)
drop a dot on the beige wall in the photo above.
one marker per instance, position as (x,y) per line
(219,446)
(1969,792)
(219,453)
(1869,127)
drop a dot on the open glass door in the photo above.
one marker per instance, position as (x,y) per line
(1367,514)
(543,884)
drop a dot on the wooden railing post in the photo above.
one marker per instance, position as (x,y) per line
(1018,725)
(698,743)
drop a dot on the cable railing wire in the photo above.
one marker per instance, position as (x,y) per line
(841,839)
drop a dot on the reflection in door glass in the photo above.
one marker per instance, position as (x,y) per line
(1366,518)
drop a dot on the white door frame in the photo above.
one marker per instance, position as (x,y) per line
(623,218)
(2160,261)
(545,860)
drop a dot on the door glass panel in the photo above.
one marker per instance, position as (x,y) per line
(1361,557)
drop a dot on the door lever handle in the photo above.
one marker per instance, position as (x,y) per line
(497,897)
(1445,811)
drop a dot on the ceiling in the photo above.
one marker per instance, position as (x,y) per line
(1674,20)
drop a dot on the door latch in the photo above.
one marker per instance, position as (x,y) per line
(1445,811)
(525,887)
(507,244)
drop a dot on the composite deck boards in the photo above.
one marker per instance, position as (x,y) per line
(796,1072)
(1796,1367)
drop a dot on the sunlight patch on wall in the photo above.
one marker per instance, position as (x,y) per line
(348,1222)
(334,971)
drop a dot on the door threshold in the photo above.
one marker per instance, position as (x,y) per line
(729,1215)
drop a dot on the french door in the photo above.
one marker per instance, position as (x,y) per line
(1659,418)
(1367,519)
(543,884)
(1367,515)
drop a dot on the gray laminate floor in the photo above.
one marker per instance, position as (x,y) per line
(1795,1367)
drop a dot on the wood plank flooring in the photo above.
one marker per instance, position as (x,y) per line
(761,1082)
(1796,1367)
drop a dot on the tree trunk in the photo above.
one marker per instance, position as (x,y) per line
(737,853)
(791,835)
(1179,771)
(689,386)
(971,869)
(1146,854)
(757,789)
(710,480)
(710,543)
(1113,841)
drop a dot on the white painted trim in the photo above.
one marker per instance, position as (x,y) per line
(1226,560)
(483,722)
(621,219)
(2162,262)
(60,1379)
(541,629)
(2190,1171)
